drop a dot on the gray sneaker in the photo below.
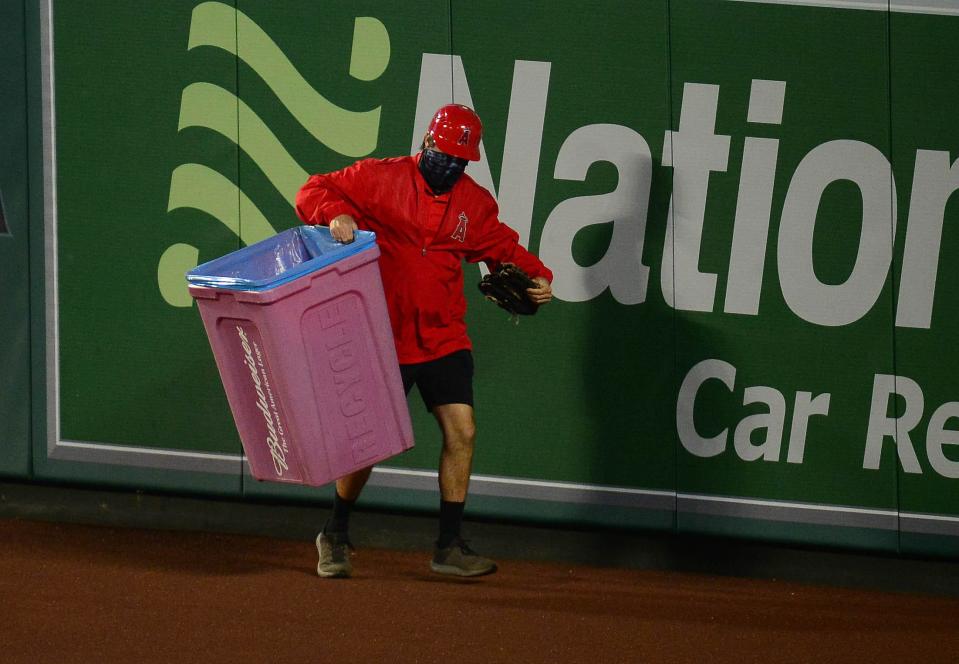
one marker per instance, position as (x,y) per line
(458,559)
(334,551)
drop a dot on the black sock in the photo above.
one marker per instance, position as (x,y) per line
(451,517)
(339,521)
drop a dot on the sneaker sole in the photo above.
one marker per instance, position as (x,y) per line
(334,574)
(451,570)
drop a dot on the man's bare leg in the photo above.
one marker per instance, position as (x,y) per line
(349,486)
(456,458)
(452,555)
(348,489)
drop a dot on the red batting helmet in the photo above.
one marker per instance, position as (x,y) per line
(455,130)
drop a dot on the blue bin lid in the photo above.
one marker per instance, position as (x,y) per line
(279,259)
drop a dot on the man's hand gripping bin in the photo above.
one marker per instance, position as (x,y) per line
(301,335)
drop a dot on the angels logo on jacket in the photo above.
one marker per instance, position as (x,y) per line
(460,232)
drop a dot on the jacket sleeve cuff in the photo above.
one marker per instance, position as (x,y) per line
(333,210)
(545,272)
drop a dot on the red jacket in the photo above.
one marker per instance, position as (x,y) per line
(423,240)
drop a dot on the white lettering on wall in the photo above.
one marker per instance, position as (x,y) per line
(806,295)
(621,269)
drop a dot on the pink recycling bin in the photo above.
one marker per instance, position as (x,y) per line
(301,335)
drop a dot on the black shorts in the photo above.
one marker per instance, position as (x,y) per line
(445,380)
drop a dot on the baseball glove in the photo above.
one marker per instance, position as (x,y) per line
(507,288)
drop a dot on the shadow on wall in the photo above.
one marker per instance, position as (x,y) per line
(630,383)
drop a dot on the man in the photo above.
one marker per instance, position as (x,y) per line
(428,217)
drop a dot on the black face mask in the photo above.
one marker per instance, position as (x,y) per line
(440,170)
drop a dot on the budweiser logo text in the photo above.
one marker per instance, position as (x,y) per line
(265,403)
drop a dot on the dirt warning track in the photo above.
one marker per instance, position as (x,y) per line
(76,593)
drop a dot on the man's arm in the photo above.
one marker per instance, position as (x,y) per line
(338,199)
(321,200)
(497,243)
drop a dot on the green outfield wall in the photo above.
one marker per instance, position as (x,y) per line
(748,208)
(14,248)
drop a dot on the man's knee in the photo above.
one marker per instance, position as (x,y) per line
(460,434)
(459,428)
